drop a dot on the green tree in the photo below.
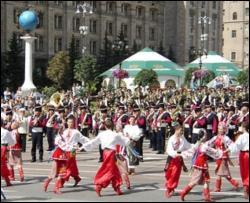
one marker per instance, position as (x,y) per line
(58,70)
(105,56)
(192,54)
(86,69)
(73,56)
(171,55)
(243,77)
(12,71)
(161,50)
(188,75)
(145,77)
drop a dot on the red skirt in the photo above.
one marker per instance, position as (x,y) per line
(244,168)
(173,172)
(109,171)
(59,154)
(72,169)
(4,168)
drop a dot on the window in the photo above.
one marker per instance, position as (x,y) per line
(58,44)
(76,24)
(58,3)
(125,9)
(20,42)
(153,14)
(40,20)
(93,47)
(39,43)
(192,3)
(213,44)
(138,32)
(139,11)
(109,28)
(94,5)
(110,7)
(214,4)
(233,33)
(77,43)
(152,34)
(58,22)
(202,14)
(191,24)
(93,26)
(222,42)
(191,40)
(234,16)
(124,29)
(214,17)
(203,4)
(40,2)
(74,3)
(16,14)
(233,56)
(247,11)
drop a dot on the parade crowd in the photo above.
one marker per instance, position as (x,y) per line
(204,124)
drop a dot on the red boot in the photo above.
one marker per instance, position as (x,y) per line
(77,180)
(46,184)
(57,187)
(118,191)
(246,192)
(98,189)
(218,185)
(62,183)
(7,180)
(234,183)
(12,173)
(169,193)
(206,194)
(185,191)
(20,170)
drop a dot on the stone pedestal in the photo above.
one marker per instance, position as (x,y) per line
(28,85)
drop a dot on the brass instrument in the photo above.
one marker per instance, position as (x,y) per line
(56,99)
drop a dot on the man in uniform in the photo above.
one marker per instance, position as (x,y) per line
(85,120)
(188,124)
(212,122)
(163,119)
(37,125)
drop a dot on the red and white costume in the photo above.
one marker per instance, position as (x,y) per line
(108,172)
(6,140)
(173,171)
(242,145)
(222,165)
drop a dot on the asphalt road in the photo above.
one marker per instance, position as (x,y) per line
(147,184)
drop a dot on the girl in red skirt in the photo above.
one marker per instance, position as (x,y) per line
(221,141)
(108,172)
(200,174)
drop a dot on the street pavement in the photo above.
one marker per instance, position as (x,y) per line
(147,185)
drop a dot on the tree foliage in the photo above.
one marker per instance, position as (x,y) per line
(58,70)
(73,56)
(146,77)
(12,70)
(86,69)
(243,77)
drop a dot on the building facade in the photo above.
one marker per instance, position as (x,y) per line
(145,22)
(236,32)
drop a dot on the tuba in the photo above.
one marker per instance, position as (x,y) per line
(56,99)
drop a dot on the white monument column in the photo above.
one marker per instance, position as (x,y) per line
(28,85)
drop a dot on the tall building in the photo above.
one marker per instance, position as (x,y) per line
(236,32)
(145,22)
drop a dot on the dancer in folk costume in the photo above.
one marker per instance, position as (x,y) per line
(108,172)
(222,141)
(122,161)
(176,144)
(134,133)
(65,156)
(242,145)
(200,173)
(15,154)
(6,140)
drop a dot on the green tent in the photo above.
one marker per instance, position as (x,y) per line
(148,59)
(215,63)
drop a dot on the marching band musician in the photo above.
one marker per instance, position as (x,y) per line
(37,124)
(232,122)
(140,120)
(120,118)
(50,127)
(85,120)
(163,119)
(23,129)
(188,123)
(150,119)
(200,122)
(212,122)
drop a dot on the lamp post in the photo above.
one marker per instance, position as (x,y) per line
(86,9)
